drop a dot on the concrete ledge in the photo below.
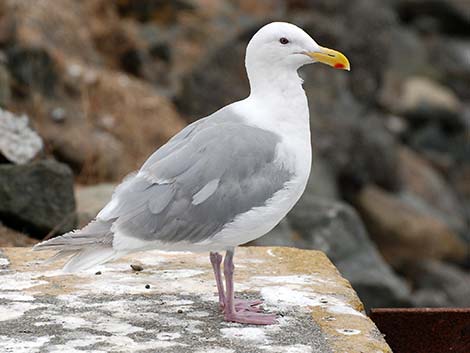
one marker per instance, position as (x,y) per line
(170,306)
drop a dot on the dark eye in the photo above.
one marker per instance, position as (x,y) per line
(283,40)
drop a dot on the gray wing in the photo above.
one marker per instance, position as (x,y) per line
(198,182)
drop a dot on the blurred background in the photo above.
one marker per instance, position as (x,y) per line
(89,89)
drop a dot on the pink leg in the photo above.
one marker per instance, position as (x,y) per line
(216,260)
(230,314)
(240,304)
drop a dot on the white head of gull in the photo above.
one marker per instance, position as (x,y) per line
(224,180)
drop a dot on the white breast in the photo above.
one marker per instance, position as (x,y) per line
(294,152)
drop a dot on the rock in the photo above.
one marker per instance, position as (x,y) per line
(210,86)
(7,25)
(322,181)
(418,60)
(281,235)
(445,148)
(450,56)
(146,119)
(451,16)
(91,199)
(5,91)
(341,134)
(357,156)
(431,190)
(175,302)
(444,279)
(335,228)
(32,69)
(460,179)
(145,11)
(18,142)
(403,233)
(10,237)
(121,119)
(421,99)
(37,197)
(98,156)
(401,67)
(429,298)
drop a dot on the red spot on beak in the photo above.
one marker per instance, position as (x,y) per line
(339,66)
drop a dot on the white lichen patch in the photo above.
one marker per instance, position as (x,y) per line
(18,142)
(294,279)
(245,333)
(348,331)
(178,274)
(198,314)
(118,343)
(215,350)
(14,310)
(283,296)
(72,322)
(4,262)
(296,348)
(287,297)
(344,309)
(168,336)
(17,345)
(16,296)
(130,345)
(19,281)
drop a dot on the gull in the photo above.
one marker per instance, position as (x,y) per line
(222,181)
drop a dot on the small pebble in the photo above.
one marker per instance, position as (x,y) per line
(98,273)
(147,286)
(137,267)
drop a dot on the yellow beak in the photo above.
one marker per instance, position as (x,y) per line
(330,57)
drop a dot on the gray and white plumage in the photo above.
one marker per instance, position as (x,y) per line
(222,181)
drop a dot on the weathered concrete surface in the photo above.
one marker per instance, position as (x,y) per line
(171,305)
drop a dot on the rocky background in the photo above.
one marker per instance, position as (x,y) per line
(88,89)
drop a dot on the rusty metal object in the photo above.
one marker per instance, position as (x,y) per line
(422,330)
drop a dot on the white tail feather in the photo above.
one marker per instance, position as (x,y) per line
(88,258)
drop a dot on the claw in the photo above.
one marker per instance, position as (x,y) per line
(246,317)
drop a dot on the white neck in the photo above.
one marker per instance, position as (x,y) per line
(268,81)
(280,99)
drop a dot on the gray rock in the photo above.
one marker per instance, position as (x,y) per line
(422,99)
(438,144)
(37,197)
(336,229)
(451,59)
(18,142)
(322,182)
(450,16)
(447,279)
(32,68)
(5,92)
(219,79)
(91,199)
(426,190)
(281,235)
(357,156)
(429,298)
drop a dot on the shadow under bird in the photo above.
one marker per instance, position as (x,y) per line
(224,180)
